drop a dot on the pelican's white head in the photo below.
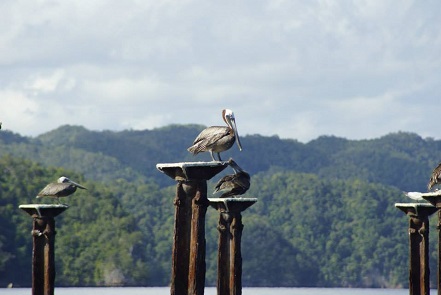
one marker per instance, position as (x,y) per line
(227,113)
(63,179)
(228,117)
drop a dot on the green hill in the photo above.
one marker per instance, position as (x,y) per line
(404,160)
(325,215)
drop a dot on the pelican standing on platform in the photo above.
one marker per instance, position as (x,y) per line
(234,184)
(435,178)
(62,188)
(417,196)
(216,139)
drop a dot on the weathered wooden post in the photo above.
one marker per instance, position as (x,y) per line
(229,263)
(43,233)
(419,272)
(435,199)
(188,256)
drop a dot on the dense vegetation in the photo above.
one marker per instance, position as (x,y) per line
(325,215)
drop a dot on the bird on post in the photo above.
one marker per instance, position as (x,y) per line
(234,184)
(62,188)
(417,196)
(216,139)
(435,178)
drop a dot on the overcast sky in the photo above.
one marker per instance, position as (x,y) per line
(297,69)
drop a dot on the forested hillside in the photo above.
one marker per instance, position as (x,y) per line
(325,214)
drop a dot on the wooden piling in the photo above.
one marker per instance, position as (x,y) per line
(181,252)
(43,238)
(188,257)
(230,228)
(435,199)
(419,271)
(197,264)
(223,258)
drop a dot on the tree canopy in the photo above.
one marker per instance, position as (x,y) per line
(325,214)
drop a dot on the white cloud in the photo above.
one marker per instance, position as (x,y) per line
(298,69)
(19,112)
(48,83)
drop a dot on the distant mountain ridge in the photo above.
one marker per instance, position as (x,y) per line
(401,159)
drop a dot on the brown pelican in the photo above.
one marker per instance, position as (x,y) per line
(234,184)
(417,196)
(62,188)
(435,178)
(216,139)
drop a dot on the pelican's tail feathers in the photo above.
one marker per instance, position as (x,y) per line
(194,149)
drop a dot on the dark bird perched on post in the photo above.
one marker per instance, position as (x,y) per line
(62,188)
(216,139)
(234,184)
(435,178)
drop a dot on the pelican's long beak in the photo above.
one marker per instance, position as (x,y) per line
(233,125)
(234,165)
(77,184)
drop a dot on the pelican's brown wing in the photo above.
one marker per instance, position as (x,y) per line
(435,177)
(236,184)
(224,183)
(57,190)
(243,180)
(208,137)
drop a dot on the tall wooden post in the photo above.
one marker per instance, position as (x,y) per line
(43,257)
(230,227)
(419,272)
(435,199)
(181,252)
(188,257)
(223,258)
(199,204)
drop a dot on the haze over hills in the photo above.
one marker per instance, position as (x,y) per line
(325,215)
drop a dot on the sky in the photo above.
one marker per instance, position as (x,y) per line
(297,69)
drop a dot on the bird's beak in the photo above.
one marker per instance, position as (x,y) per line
(77,184)
(233,125)
(235,167)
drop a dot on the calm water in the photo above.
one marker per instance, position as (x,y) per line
(212,291)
